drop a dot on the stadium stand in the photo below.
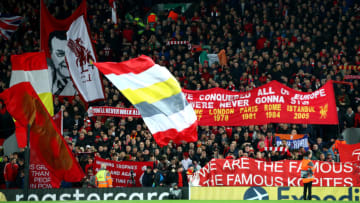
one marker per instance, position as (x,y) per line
(298,43)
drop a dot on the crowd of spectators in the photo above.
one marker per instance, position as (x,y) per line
(298,43)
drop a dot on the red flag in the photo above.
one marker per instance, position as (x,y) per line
(20,132)
(58,120)
(50,24)
(31,67)
(25,106)
(349,152)
(40,176)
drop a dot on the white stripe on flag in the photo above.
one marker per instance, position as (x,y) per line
(11,18)
(179,121)
(153,75)
(113,13)
(37,78)
(2,31)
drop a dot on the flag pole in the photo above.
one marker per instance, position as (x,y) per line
(27,164)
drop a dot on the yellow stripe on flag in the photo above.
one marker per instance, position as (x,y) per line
(47,100)
(153,93)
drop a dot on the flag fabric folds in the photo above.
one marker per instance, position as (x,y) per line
(80,55)
(31,67)
(293,141)
(53,42)
(222,57)
(158,97)
(9,25)
(25,106)
(349,152)
(113,11)
(59,120)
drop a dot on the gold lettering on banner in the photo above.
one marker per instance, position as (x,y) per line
(250,109)
(248,116)
(221,111)
(301,115)
(272,107)
(221,114)
(272,114)
(323,111)
(248,113)
(300,109)
(199,113)
(221,117)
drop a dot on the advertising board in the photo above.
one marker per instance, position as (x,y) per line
(140,193)
(274,193)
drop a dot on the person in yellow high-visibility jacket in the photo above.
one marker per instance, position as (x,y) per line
(103,178)
(307,171)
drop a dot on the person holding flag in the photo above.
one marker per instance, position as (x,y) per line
(307,171)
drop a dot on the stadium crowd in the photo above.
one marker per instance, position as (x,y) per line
(298,43)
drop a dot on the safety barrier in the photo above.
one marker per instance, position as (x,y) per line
(273,193)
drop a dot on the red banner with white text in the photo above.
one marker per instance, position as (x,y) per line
(58,120)
(40,177)
(270,103)
(122,172)
(252,172)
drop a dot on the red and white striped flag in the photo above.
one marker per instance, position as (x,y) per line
(158,97)
(282,150)
(31,67)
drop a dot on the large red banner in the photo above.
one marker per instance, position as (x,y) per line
(122,172)
(270,103)
(252,172)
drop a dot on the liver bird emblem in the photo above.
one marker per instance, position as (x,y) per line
(323,111)
(83,55)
